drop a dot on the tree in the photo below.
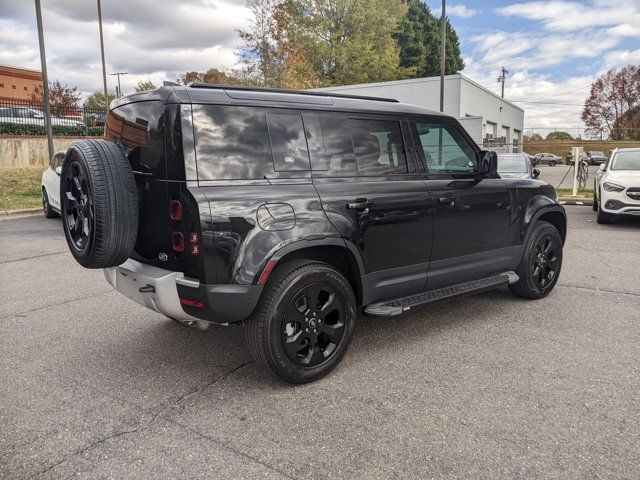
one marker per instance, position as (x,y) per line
(535,136)
(257,54)
(144,85)
(559,136)
(418,36)
(188,78)
(613,98)
(348,41)
(62,99)
(97,101)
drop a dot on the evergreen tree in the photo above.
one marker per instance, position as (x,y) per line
(418,37)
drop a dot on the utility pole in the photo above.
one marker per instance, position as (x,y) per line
(502,78)
(119,87)
(443,32)
(45,80)
(104,70)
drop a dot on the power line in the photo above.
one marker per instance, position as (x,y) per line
(549,103)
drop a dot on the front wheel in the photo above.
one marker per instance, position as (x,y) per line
(46,206)
(552,163)
(304,323)
(541,262)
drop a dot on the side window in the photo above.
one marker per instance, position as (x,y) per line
(288,143)
(231,143)
(378,146)
(330,145)
(445,149)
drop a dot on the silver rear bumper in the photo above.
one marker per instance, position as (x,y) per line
(129,277)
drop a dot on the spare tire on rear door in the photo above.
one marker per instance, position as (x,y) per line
(99,203)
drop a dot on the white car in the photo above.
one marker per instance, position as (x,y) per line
(30,116)
(51,186)
(617,185)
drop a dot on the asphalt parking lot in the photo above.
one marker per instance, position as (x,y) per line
(489,386)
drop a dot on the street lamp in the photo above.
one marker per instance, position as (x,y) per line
(45,80)
(119,87)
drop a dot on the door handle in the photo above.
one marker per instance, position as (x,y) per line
(448,201)
(360,204)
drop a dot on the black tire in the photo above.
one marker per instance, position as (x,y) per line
(539,275)
(552,163)
(603,218)
(99,203)
(46,206)
(287,314)
(595,199)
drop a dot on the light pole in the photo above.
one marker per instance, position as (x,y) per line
(45,80)
(443,32)
(104,70)
(119,87)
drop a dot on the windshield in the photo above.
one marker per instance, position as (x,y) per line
(597,154)
(626,161)
(512,164)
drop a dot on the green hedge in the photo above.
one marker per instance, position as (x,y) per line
(58,130)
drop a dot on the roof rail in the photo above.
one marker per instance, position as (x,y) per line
(295,92)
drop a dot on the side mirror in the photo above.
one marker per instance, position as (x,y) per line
(488,162)
(58,170)
(536,173)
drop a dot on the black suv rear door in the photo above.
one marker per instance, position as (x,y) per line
(472,211)
(374,196)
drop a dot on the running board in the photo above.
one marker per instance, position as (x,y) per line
(397,306)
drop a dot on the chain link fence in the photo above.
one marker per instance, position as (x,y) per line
(28,118)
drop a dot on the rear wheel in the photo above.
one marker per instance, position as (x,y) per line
(541,262)
(552,163)
(46,206)
(595,199)
(304,323)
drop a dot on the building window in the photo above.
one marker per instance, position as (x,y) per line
(25,89)
(13,86)
(1,85)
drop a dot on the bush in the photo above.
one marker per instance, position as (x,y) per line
(58,130)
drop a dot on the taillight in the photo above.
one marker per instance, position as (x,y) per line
(194,241)
(177,241)
(175,210)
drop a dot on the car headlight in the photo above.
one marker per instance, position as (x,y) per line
(612,187)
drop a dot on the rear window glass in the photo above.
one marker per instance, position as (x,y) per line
(330,145)
(378,146)
(231,143)
(288,143)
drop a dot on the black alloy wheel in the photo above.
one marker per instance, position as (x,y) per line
(78,206)
(313,325)
(545,260)
(303,325)
(541,262)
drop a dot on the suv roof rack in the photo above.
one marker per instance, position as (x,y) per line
(284,90)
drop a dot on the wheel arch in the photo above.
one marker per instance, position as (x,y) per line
(543,208)
(336,252)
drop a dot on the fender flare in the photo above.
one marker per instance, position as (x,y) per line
(281,252)
(538,206)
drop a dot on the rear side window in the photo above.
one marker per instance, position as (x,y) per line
(288,143)
(231,143)
(445,149)
(378,147)
(330,144)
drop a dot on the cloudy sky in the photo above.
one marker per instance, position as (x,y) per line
(553,49)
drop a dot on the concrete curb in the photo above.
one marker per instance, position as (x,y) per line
(585,201)
(19,212)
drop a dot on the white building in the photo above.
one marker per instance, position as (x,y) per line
(491,120)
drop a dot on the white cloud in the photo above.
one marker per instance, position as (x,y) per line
(620,58)
(156,39)
(577,16)
(458,10)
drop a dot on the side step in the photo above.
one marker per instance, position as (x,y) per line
(397,306)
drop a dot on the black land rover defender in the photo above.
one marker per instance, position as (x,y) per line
(291,212)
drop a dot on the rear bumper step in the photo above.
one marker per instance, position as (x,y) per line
(397,306)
